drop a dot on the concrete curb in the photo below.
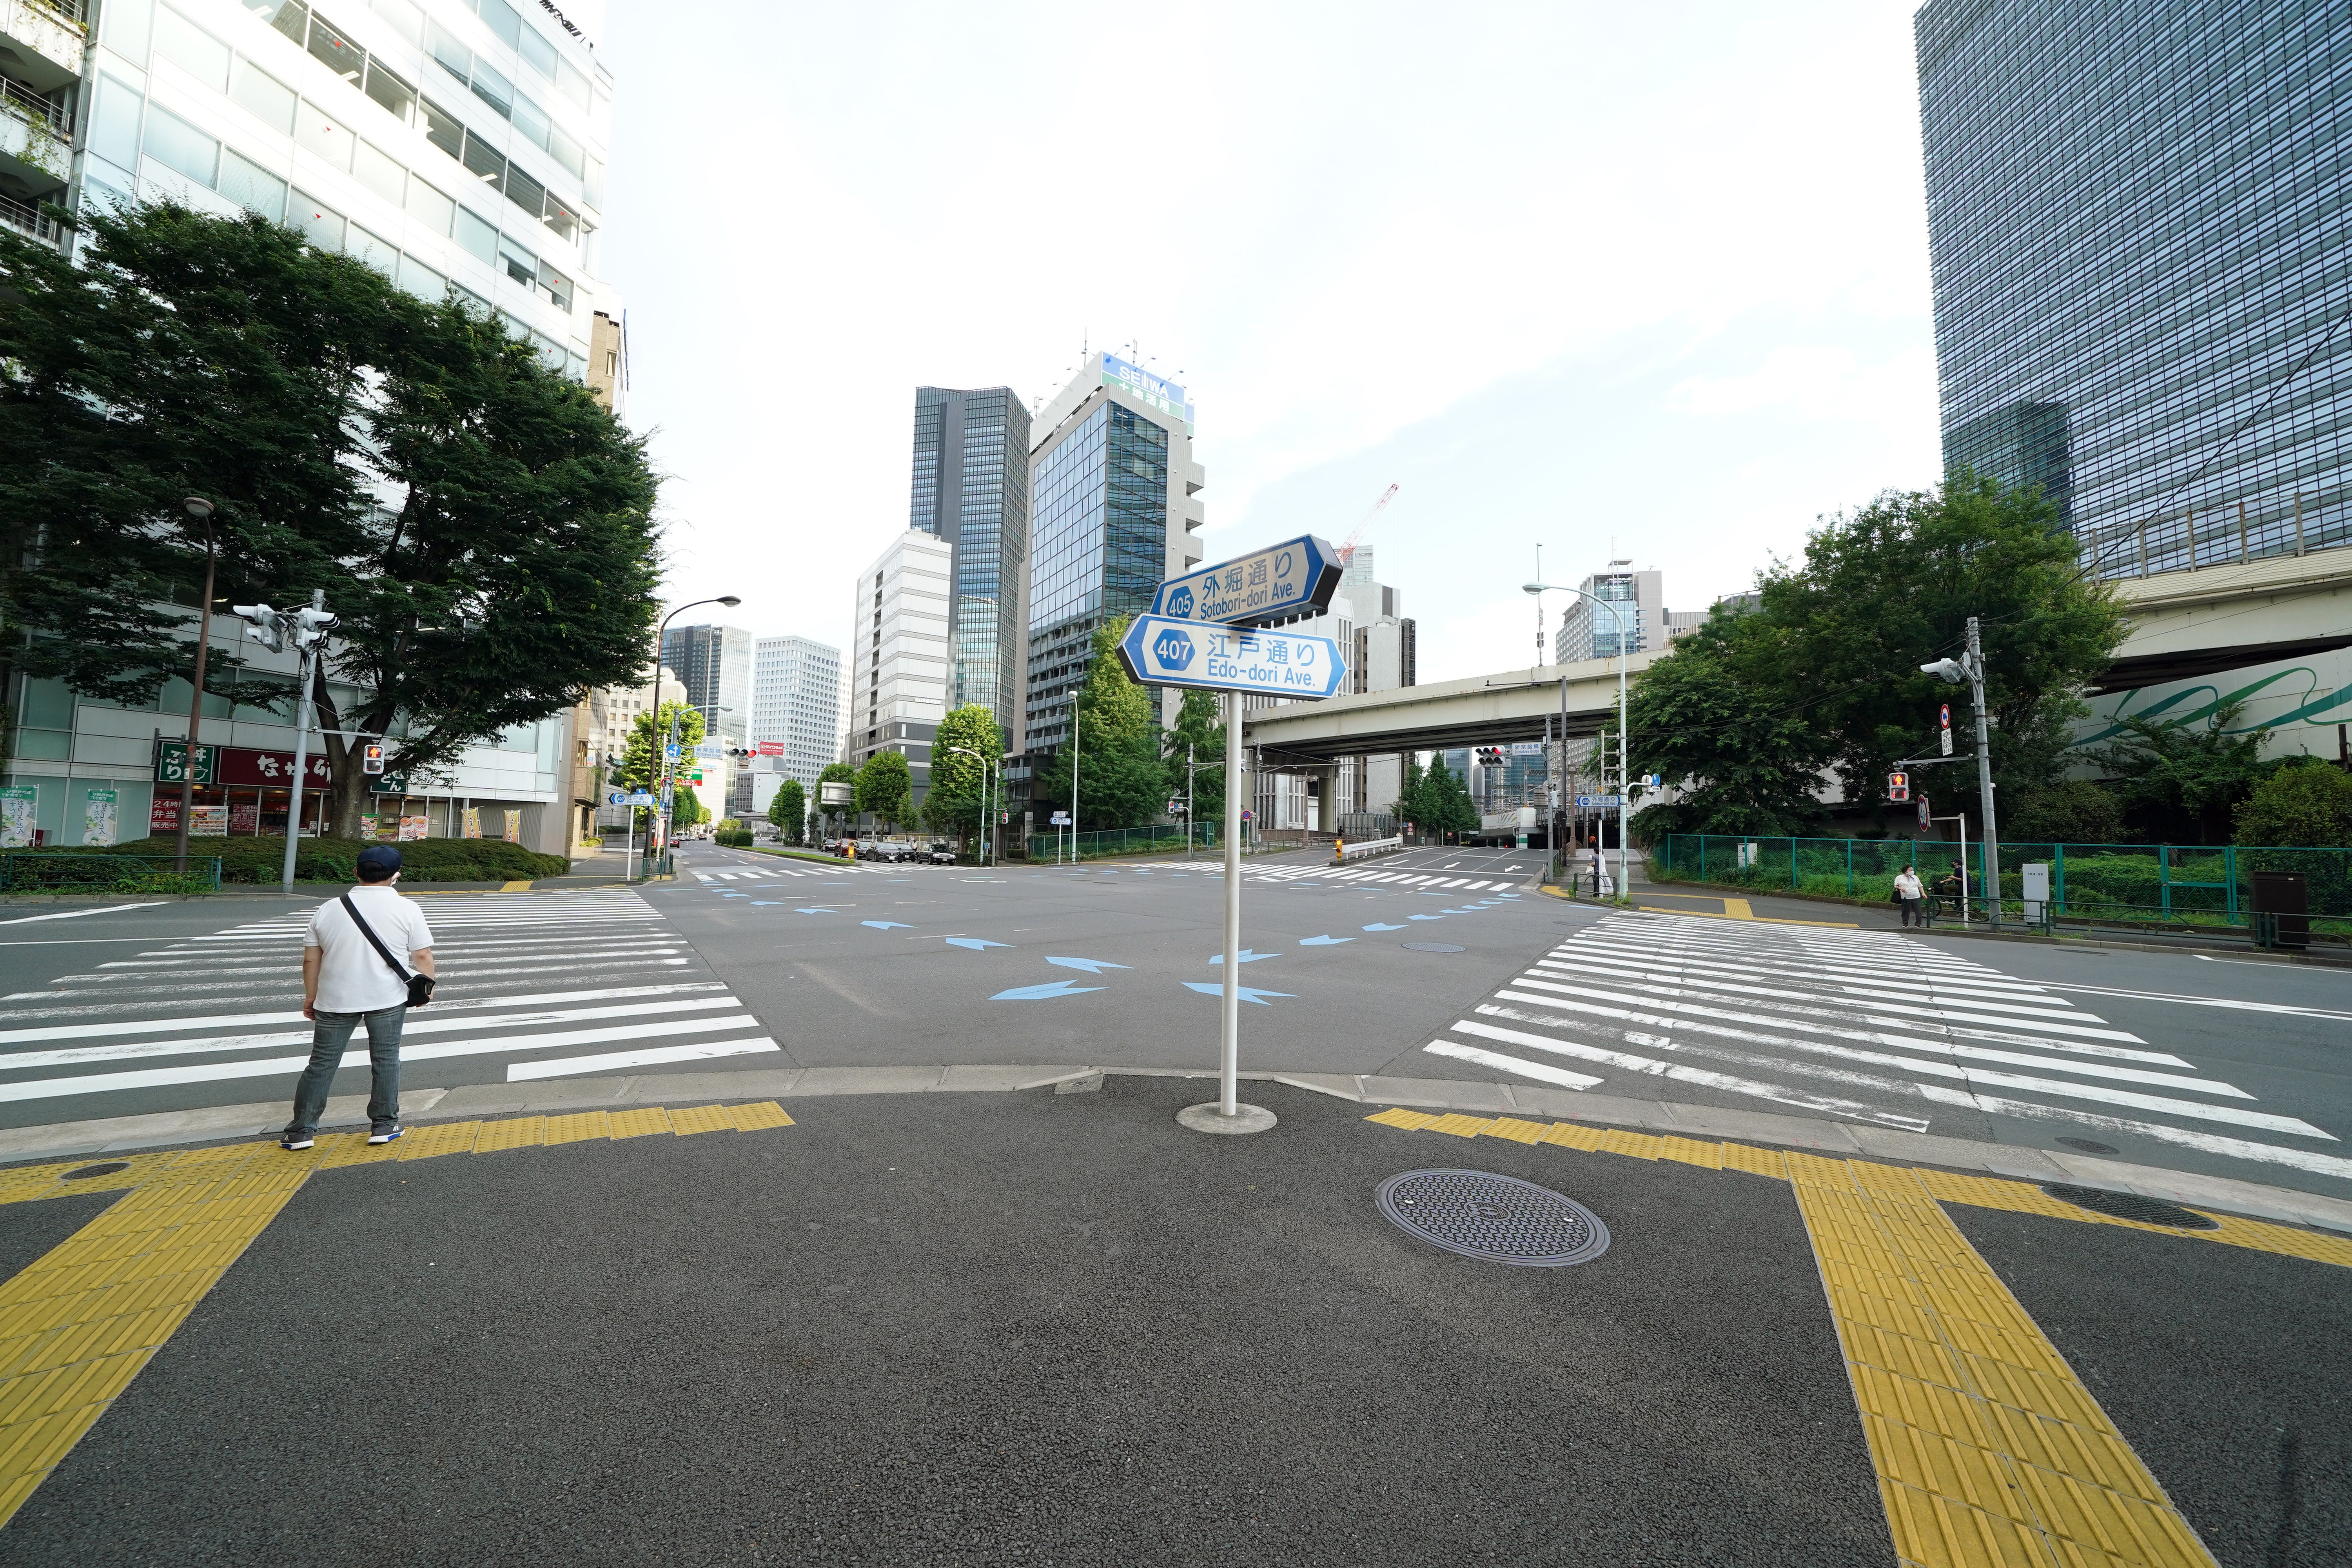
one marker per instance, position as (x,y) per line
(2041,1167)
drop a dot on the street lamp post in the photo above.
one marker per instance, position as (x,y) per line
(661,636)
(1624,752)
(201,510)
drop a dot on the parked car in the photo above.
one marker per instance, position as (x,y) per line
(943,854)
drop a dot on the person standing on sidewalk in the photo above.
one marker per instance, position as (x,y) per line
(1908,892)
(348,980)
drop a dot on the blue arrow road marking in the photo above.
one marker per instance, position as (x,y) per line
(1211,988)
(1384,928)
(886,925)
(974,942)
(1040,992)
(1246,956)
(757,903)
(1323,941)
(1424,917)
(1091,966)
(816,911)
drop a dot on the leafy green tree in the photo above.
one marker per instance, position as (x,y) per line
(1447,802)
(1122,780)
(1832,647)
(1408,803)
(481,525)
(886,788)
(788,810)
(1198,727)
(1716,718)
(835,773)
(2179,783)
(641,759)
(2307,804)
(2068,810)
(959,782)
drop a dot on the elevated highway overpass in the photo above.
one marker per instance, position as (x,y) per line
(2184,624)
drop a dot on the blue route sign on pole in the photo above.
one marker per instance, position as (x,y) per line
(1296,577)
(1158,651)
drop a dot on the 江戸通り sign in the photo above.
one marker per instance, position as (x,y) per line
(1161,651)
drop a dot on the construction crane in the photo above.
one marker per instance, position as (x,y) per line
(1348,550)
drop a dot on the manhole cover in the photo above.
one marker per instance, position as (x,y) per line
(2131,1206)
(2090,1145)
(87,1172)
(1499,1219)
(1429,947)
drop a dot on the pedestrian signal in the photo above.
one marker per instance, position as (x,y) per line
(372,758)
(1898,787)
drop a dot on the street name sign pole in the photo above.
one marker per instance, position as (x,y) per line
(1237,660)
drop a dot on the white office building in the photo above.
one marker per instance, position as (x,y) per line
(1637,600)
(448,143)
(899,654)
(795,704)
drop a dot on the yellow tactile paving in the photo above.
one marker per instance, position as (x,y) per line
(760,1116)
(1461,1126)
(1989,1451)
(637,1123)
(79,1321)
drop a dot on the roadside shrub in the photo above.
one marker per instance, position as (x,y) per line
(259,860)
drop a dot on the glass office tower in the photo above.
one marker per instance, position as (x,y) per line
(971,489)
(714,663)
(2141,290)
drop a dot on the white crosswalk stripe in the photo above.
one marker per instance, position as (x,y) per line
(527,979)
(762,873)
(1866,1027)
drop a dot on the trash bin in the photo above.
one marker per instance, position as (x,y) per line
(2281,910)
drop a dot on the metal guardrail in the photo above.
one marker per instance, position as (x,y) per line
(33,872)
(1376,846)
(26,104)
(26,218)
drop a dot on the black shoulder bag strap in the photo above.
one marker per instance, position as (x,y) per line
(420,986)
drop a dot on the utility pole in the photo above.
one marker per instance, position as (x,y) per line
(1189,800)
(201,510)
(1969,668)
(310,628)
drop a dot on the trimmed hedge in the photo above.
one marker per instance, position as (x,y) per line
(261,861)
(733,837)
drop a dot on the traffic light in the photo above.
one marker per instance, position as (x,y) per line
(1898,787)
(371,757)
(310,626)
(263,625)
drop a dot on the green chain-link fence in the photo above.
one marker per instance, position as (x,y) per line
(2187,884)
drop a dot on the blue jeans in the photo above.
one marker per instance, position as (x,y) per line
(328,1041)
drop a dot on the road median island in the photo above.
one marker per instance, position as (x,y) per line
(1104,1371)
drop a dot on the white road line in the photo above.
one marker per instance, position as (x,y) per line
(1852,1110)
(247,1020)
(1708,984)
(213,1072)
(1790,967)
(1537,1070)
(20,1060)
(76,914)
(2187,1107)
(522,1072)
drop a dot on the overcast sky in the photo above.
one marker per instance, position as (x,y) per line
(1648,278)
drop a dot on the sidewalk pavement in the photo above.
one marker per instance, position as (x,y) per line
(1056,1327)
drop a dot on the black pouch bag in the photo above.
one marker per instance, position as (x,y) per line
(420,986)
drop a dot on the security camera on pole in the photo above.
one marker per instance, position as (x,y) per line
(1969,668)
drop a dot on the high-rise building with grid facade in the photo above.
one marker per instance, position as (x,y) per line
(2142,290)
(796,703)
(715,664)
(971,489)
(1111,515)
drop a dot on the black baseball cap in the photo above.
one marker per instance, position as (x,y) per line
(378,861)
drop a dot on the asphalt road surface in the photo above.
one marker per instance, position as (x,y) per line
(1040,1328)
(1439,964)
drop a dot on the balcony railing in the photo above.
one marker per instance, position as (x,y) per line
(45,112)
(74,11)
(29,219)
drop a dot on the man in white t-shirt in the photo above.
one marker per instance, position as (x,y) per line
(346,983)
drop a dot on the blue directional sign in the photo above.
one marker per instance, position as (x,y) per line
(1605,802)
(1296,577)
(1158,651)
